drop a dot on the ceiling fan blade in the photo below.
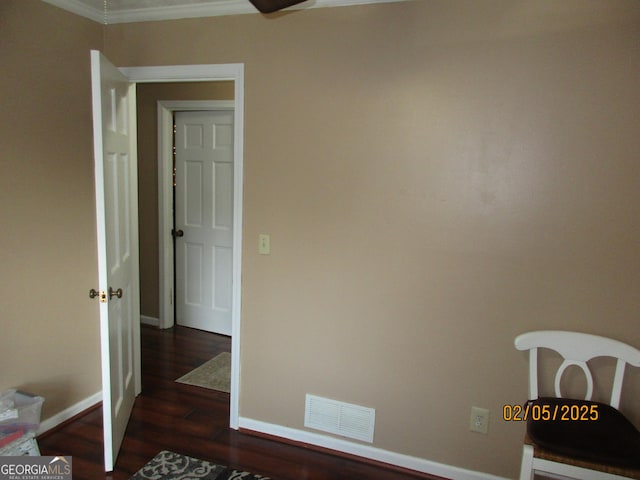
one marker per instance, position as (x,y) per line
(269,6)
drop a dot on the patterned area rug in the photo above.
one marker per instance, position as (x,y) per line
(214,374)
(174,466)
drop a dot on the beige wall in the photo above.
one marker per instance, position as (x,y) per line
(436,177)
(49,337)
(148,95)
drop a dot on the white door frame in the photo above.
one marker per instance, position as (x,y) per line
(205,73)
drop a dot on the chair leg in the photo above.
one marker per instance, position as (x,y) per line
(526,468)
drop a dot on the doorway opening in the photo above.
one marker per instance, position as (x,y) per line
(200,73)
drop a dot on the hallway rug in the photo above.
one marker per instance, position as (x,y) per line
(174,466)
(214,374)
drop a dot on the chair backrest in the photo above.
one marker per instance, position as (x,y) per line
(577,349)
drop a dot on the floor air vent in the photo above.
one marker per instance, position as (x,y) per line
(352,421)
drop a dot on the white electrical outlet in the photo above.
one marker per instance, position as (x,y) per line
(479,421)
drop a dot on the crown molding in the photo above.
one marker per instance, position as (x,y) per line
(210,9)
(196,10)
(79,8)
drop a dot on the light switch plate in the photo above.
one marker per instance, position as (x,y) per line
(264,244)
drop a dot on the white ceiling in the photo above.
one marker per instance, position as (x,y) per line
(124,11)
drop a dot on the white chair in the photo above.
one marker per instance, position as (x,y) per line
(579,439)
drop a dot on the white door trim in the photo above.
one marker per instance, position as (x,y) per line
(204,73)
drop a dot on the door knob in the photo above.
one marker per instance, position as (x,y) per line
(177,233)
(115,293)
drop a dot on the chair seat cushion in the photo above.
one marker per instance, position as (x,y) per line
(582,429)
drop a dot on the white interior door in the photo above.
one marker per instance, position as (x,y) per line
(117,228)
(204,219)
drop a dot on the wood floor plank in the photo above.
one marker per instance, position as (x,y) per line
(195,421)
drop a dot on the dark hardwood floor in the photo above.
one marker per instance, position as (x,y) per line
(194,421)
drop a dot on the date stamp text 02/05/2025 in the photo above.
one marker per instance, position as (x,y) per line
(537,412)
